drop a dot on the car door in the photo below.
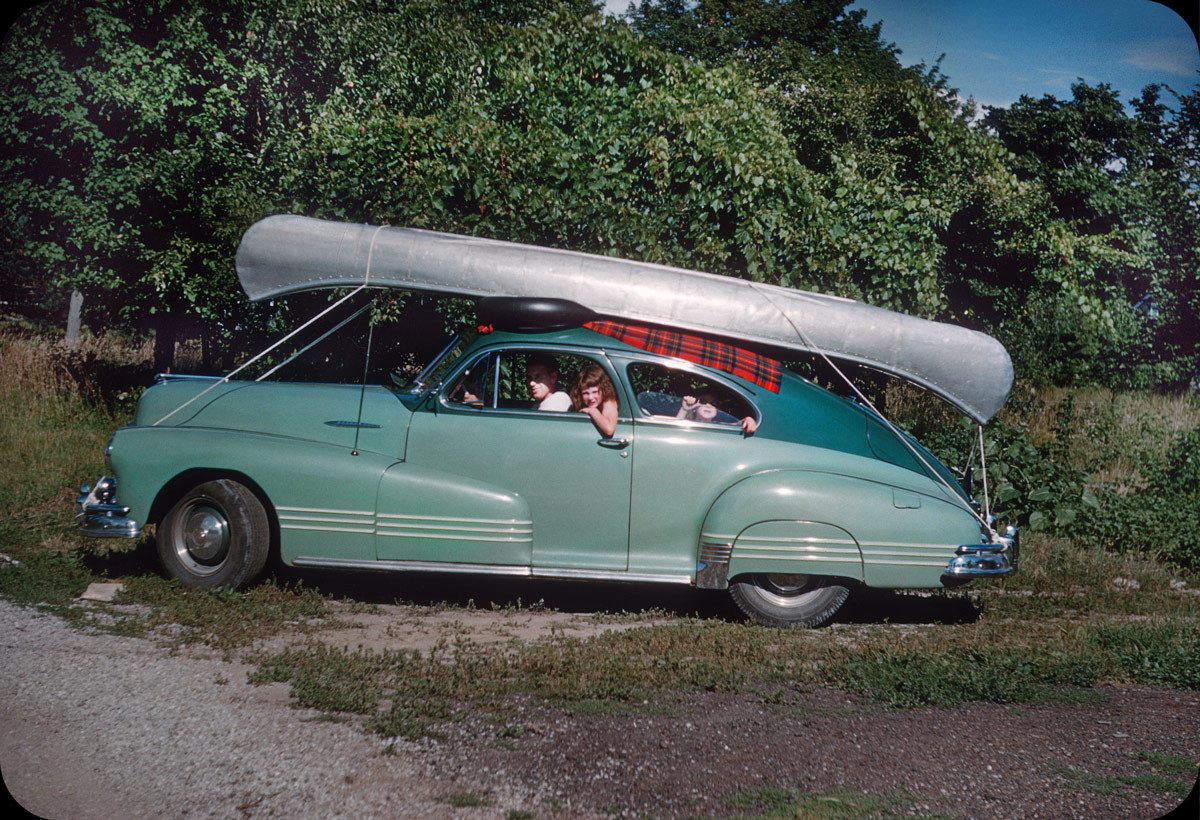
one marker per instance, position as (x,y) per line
(507,484)
(685,461)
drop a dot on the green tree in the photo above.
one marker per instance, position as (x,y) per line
(147,139)
(1111,266)
(126,121)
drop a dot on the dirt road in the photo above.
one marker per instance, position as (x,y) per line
(104,726)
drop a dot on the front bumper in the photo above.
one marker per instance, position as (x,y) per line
(987,560)
(99,515)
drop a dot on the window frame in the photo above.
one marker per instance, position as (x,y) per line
(625,361)
(598,355)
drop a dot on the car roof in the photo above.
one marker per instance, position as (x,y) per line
(578,336)
(583,337)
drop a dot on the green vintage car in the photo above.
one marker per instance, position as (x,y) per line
(456,469)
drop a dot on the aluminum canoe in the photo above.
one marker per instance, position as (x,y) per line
(287,254)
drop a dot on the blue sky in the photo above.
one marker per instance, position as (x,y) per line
(997,51)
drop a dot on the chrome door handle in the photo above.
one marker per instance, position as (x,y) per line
(614,443)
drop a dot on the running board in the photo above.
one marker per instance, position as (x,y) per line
(492,569)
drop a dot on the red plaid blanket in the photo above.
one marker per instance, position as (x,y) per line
(744,364)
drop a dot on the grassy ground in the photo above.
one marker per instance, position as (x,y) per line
(1075,617)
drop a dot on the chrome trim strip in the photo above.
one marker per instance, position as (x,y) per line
(324,510)
(162,378)
(614,575)
(513,521)
(448,528)
(905,544)
(488,569)
(832,559)
(455,537)
(283,526)
(897,553)
(712,563)
(367,523)
(411,566)
(806,539)
(797,550)
(907,563)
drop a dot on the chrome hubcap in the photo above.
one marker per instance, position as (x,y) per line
(202,542)
(786,590)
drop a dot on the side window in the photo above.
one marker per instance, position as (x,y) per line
(667,392)
(518,379)
(474,386)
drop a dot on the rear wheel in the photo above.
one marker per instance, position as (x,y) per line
(217,535)
(789,600)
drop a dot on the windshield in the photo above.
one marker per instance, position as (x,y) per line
(437,368)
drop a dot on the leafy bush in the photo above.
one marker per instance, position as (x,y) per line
(1162,517)
(1118,470)
(1035,485)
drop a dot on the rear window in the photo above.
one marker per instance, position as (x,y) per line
(667,392)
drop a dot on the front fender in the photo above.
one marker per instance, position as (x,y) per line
(327,490)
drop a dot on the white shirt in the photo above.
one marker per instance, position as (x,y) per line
(558,402)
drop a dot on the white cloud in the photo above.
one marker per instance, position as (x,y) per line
(1171,55)
(1060,79)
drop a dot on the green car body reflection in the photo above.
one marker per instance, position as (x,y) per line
(457,473)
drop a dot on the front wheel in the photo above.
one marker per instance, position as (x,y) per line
(217,535)
(788,600)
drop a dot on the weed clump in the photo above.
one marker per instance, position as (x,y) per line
(1166,653)
(973,675)
(224,618)
(44,578)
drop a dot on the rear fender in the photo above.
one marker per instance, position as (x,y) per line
(779,522)
(819,523)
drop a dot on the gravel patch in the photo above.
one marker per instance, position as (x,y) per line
(106,726)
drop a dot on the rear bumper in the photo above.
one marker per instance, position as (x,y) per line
(987,560)
(99,515)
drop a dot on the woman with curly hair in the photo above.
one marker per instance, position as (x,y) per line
(595,395)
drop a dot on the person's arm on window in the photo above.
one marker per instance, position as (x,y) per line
(604,417)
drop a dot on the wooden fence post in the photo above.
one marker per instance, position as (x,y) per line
(73,319)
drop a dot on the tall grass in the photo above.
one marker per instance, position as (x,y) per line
(51,439)
(1118,469)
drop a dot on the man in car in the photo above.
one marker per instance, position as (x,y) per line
(541,375)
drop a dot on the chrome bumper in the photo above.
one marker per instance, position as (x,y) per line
(983,560)
(98,515)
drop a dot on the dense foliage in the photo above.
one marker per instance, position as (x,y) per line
(781,141)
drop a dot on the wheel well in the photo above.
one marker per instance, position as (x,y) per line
(178,486)
(841,579)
